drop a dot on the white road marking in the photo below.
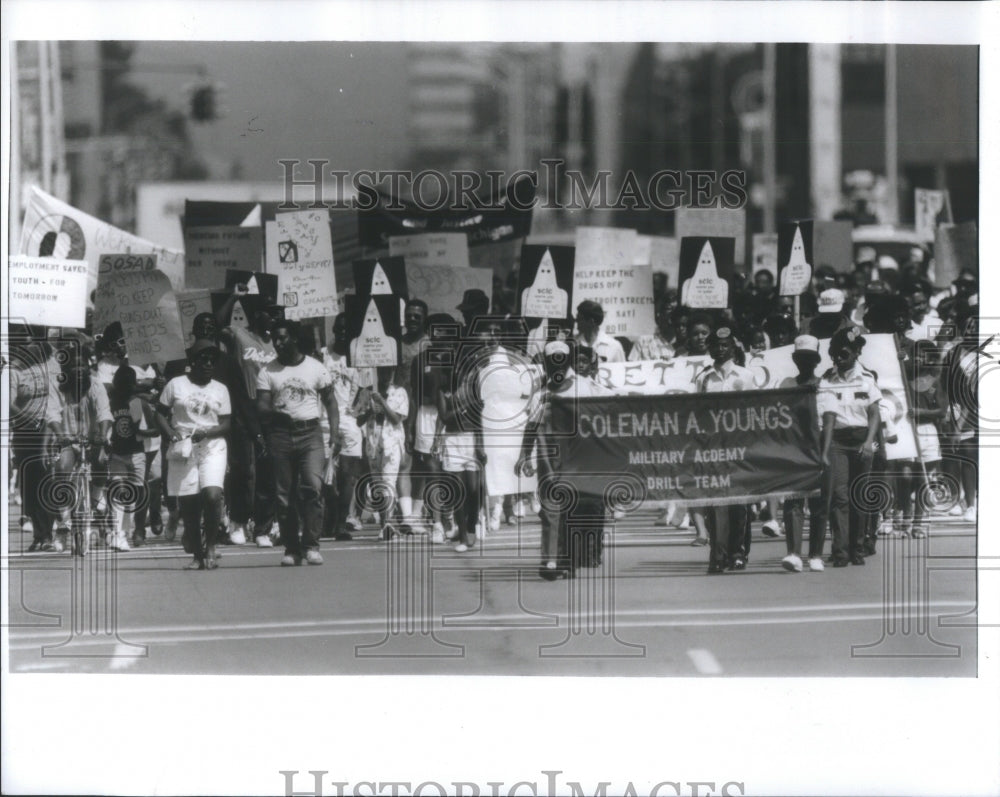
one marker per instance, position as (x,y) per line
(122,659)
(365,626)
(705,661)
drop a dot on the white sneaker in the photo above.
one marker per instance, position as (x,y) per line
(461,547)
(27,527)
(970,514)
(264,541)
(238,534)
(519,510)
(619,514)
(793,562)
(772,529)
(437,534)
(119,542)
(955,511)
(536,505)
(816,564)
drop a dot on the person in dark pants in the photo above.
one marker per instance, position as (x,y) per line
(571,536)
(727,525)
(251,480)
(34,370)
(806,357)
(289,392)
(848,403)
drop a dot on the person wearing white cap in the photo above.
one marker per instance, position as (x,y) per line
(806,357)
(848,403)
(830,314)
(563,550)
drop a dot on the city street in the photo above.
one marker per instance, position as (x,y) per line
(910,611)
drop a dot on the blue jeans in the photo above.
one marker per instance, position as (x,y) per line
(298,458)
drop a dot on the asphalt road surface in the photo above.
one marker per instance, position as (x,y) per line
(407,607)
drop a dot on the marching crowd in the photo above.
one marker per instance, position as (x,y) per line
(260,438)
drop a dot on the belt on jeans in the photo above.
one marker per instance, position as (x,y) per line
(284,422)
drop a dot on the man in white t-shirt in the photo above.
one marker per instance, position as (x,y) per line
(290,391)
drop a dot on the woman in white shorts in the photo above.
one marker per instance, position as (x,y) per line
(193,413)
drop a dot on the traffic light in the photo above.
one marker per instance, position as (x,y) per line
(203,103)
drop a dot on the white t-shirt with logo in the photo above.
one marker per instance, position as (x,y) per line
(195,406)
(295,389)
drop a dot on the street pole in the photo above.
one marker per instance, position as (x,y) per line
(891,136)
(770,133)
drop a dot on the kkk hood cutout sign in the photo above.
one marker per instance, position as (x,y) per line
(706,264)
(795,241)
(543,287)
(374,331)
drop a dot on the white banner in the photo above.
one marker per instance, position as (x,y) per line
(770,369)
(54,229)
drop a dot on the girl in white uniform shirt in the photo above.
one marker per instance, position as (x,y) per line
(848,403)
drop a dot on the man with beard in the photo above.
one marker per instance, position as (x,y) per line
(290,390)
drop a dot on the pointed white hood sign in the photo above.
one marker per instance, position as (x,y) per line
(252,288)
(544,298)
(705,289)
(797,273)
(373,347)
(380,282)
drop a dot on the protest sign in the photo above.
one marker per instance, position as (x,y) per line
(343,220)
(714,223)
(705,267)
(770,368)
(442,287)
(48,291)
(930,208)
(374,331)
(545,282)
(603,272)
(956,247)
(795,253)
(258,284)
(432,249)
(603,248)
(833,245)
(504,217)
(659,251)
(383,276)
(723,448)
(501,258)
(190,304)
(300,252)
(54,229)
(126,262)
(765,252)
(146,306)
(243,310)
(211,251)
